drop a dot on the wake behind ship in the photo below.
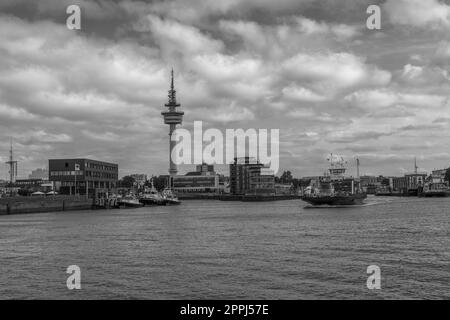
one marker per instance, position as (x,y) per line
(334,188)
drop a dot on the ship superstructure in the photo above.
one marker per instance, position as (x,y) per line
(335,188)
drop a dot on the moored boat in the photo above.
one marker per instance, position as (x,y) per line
(152,197)
(129,201)
(170,198)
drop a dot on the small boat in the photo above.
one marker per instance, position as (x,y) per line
(129,202)
(170,198)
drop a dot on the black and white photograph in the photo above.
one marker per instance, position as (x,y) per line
(240,152)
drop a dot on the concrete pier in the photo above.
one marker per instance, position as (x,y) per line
(17,205)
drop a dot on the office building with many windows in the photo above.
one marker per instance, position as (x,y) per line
(82,176)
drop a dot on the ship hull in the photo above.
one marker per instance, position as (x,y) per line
(153,202)
(129,204)
(173,202)
(443,193)
(335,200)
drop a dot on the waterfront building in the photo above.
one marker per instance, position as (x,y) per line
(248,176)
(436,181)
(172,117)
(203,180)
(398,184)
(83,176)
(368,180)
(195,184)
(370,183)
(415,180)
(284,188)
(438,176)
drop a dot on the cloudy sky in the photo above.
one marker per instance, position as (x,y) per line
(309,68)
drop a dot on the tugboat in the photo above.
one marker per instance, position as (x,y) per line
(129,201)
(334,188)
(170,198)
(152,197)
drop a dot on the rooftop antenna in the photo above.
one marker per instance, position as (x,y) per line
(415,165)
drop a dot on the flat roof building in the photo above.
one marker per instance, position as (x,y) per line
(203,180)
(82,176)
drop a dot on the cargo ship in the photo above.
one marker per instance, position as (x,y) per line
(334,188)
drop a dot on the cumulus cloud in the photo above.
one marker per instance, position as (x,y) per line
(373,99)
(332,73)
(418,13)
(302,94)
(309,68)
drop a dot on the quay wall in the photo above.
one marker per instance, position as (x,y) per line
(17,205)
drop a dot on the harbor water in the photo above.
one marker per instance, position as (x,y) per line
(231,250)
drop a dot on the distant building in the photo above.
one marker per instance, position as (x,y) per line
(415,180)
(284,189)
(82,176)
(195,184)
(205,169)
(370,183)
(398,184)
(438,176)
(39,174)
(436,181)
(203,180)
(248,176)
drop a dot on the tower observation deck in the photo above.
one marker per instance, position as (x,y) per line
(172,117)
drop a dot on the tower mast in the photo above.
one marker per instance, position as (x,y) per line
(172,117)
(12,165)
